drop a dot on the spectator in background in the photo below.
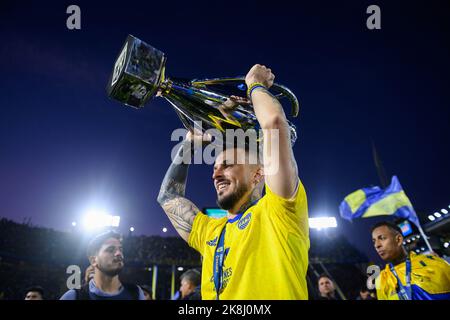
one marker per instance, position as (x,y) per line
(407,276)
(326,287)
(106,256)
(365,294)
(147,292)
(190,285)
(34,293)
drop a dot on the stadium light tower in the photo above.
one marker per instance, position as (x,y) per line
(322,223)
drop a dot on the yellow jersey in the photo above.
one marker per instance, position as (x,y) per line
(265,250)
(430,279)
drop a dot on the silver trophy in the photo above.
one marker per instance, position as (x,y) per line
(139,75)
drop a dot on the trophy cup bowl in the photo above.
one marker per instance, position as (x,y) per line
(139,75)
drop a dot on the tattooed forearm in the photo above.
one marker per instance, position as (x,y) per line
(181,213)
(180,210)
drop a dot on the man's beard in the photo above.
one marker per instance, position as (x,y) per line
(229,201)
(110,272)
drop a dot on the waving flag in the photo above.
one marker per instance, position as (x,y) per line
(374,201)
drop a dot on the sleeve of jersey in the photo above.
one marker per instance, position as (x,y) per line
(444,268)
(380,290)
(198,233)
(294,210)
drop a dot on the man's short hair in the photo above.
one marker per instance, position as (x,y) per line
(193,276)
(324,275)
(37,289)
(96,243)
(392,226)
(364,288)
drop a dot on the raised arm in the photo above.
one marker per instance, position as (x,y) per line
(181,211)
(280,168)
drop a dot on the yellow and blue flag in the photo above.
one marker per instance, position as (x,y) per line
(374,201)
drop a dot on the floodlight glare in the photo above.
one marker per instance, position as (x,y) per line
(180,268)
(446,244)
(432,218)
(132,229)
(437,214)
(164,230)
(115,221)
(74,224)
(444,211)
(322,223)
(95,219)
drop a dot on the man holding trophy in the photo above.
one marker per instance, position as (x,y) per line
(259,251)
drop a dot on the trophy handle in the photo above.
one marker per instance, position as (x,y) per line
(238,87)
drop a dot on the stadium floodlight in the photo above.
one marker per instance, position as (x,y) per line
(95,219)
(180,268)
(432,218)
(446,244)
(131,229)
(115,221)
(322,223)
(164,230)
(437,214)
(444,211)
(74,224)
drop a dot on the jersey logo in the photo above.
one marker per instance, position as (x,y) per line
(212,242)
(243,223)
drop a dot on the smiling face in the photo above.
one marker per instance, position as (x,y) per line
(109,259)
(234,181)
(387,242)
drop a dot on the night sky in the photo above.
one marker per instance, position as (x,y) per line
(65,146)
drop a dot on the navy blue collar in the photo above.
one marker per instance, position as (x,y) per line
(239,215)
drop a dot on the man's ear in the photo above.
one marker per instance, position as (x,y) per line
(93,261)
(259,175)
(399,239)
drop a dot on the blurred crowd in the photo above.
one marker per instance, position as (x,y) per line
(37,258)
